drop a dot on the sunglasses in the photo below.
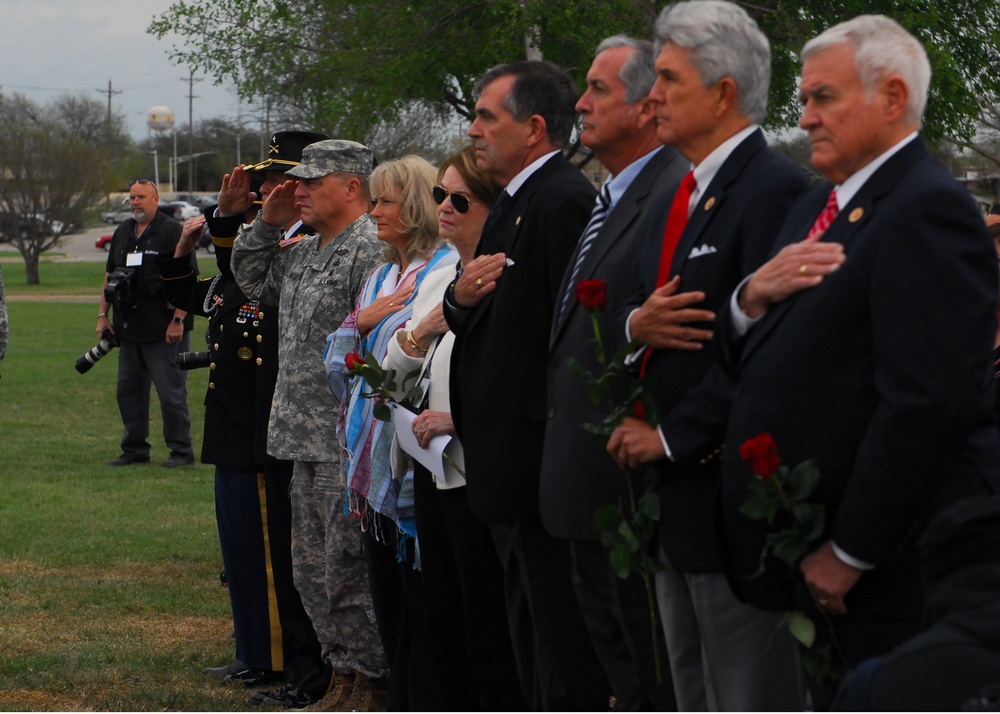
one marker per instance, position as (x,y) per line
(460,201)
(133,182)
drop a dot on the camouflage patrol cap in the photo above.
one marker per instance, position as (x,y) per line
(325,157)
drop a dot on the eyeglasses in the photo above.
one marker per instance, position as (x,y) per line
(460,201)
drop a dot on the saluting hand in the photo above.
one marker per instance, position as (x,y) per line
(235,197)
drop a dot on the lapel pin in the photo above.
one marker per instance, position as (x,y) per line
(856,215)
(709,203)
(518,221)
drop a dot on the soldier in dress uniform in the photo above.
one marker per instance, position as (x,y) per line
(275,639)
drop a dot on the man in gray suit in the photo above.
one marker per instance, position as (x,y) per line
(578,477)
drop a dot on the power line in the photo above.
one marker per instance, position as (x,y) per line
(110,92)
(191,97)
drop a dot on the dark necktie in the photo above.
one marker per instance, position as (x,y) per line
(597,218)
(488,242)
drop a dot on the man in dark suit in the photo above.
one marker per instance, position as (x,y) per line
(500,309)
(713,72)
(852,350)
(578,477)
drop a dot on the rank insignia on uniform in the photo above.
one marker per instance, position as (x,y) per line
(291,240)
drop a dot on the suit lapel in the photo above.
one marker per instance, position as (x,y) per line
(628,209)
(845,228)
(714,197)
(505,231)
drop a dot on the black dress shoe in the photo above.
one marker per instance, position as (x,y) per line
(287,698)
(128,460)
(225,670)
(176,460)
(253,677)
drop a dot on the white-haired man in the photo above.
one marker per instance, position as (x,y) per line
(713,72)
(851,348)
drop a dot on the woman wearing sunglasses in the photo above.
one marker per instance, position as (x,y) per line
(463,592)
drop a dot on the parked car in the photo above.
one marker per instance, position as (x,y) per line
(117,215)
(199,200)
(180,210)
(205,242)
(14,224)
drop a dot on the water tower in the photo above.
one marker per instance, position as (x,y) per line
(161,118)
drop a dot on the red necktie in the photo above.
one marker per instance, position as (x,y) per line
(676,220)
(826,216)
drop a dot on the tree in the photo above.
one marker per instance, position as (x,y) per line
(353,65)
(54,164)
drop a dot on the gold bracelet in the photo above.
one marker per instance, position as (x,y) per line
(418,348)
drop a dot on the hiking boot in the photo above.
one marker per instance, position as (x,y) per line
(367,695)
(338,696)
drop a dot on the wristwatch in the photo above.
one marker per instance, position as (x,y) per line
(178,320)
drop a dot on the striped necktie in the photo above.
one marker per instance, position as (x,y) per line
(597,217)
(826,216)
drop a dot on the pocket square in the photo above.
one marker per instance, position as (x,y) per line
(703,249)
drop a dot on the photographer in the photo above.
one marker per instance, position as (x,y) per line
(151,332)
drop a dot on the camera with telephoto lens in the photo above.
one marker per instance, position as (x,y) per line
(88,359)
(193,360)
(120,289)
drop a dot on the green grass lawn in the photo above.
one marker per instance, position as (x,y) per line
(109,589)
(74,278)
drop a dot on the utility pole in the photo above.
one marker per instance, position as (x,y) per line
(110,92)
(191,97)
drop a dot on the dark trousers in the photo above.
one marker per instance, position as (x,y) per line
(272,628)
(468,634)
(141,364)
(556,661)
(617,613)
(397,595)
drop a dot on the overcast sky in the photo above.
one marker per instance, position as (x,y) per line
(54,47)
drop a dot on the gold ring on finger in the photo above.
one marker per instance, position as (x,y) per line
(804,269)
(479,283)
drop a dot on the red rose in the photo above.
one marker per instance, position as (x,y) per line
(592,295)
(354,361)
(762,454)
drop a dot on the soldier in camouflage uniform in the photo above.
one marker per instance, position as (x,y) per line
(316,283)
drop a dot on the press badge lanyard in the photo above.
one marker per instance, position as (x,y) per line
(133,259)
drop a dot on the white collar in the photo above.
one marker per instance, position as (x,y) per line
(526,172)
(847,190)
